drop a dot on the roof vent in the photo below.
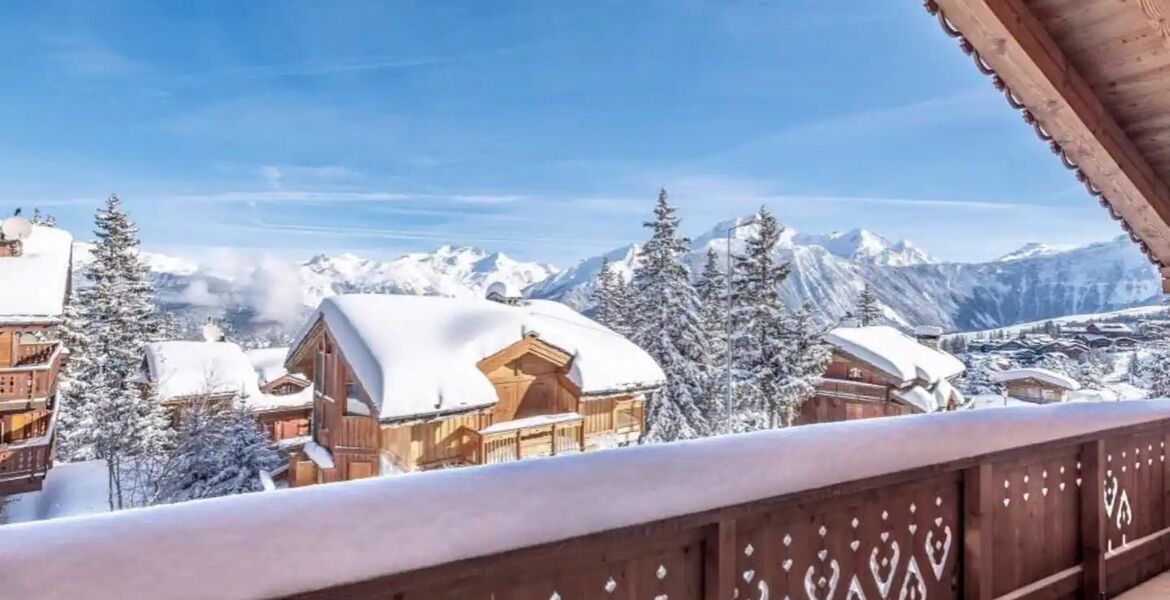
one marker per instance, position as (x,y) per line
(928,335)
(504,293)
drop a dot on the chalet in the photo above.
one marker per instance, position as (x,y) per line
(1113,330)
(1036,385)
(184,373)
(405,383)
(1096,341)
(879,371)
(35,275)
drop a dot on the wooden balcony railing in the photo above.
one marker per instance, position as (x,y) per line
(851,390)
(35,374)
(526,442)
(19,461)
(1066,501)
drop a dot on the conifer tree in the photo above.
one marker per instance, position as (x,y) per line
(670,329)
(103,414)
(712,290)
(42,219)
(217,452)
(612,299)
(868,311)
(1156,372)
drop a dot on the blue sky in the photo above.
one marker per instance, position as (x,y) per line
(542,129)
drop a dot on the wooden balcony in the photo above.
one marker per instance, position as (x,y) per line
(1068,501)
(852,390)
(32,379)
(516,440)
(24,463)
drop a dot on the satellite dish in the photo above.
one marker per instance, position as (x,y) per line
(503,292)
(213,333)
(15,228)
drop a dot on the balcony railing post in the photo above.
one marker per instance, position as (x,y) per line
(719,561)
(978,515)
(1093,519)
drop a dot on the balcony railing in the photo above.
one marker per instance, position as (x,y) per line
(852,390)
(501,443)
(1057,501)
(26,461)
(34,374)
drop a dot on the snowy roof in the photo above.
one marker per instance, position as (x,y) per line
(895,353)
(417,355)
(930,399)
(269,363)
(1039,374)
(1113,327)
(33,285)
(246,543)
(181,369)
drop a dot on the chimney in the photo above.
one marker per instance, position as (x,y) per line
(928,335)
(11,248)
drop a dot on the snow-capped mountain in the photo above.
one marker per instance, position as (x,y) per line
(829,271)
(270,297)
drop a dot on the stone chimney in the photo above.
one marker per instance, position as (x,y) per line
(928,335)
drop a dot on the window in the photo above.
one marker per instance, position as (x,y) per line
(319,372)
(854,373)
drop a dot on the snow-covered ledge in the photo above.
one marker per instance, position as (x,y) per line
(282,542)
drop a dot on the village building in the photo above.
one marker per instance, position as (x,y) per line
(406,383)
(1036,385)
(183,374)
(878,371)
(35,276)
(1113,330)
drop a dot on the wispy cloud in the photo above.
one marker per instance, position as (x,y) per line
(412,234)
(88,58)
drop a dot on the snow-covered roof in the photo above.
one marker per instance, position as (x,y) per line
(180,369)
(1113,327)
(1039,374)
(930,399)
(269,363)
(246,543)
(895,353)
(33,285)
(417,355)
(184,369)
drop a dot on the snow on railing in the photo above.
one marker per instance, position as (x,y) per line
(289,541)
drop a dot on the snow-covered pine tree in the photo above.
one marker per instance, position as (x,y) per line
(1133,369)
(758,328)
(670,329)
(103,415)
(712,290)
(612,299)
(1156,373)
(868,311)
(43,219)
(799,369)
(218,452)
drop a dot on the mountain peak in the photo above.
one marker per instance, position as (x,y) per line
(1032,250)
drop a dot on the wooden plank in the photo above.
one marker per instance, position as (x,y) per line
(1016,45)
(978,550)
(1052,586)
(1093,520)
(719,561)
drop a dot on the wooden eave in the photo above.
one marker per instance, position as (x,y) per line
(529,345)
(1092,77)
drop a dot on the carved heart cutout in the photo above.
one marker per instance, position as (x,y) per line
(1124,511)
(1111,496)
(937,551)
(885,582)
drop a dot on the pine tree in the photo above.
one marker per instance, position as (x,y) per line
(1133,370)
(868,311)
(103,415)
(1156,372)
(42,219)
(712,290)
(217,452)
(613,301)
(670,329)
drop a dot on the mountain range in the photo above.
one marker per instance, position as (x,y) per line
(270,297)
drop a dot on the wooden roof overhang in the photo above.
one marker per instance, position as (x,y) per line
(1092,78)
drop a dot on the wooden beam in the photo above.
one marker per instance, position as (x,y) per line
(978,552)
(1015,44)
(1093,540)
(719,561)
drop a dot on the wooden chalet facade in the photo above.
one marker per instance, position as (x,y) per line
(31,356)
(873,373)
(1036,385)
(535,409)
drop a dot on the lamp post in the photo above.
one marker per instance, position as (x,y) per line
(730,343)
